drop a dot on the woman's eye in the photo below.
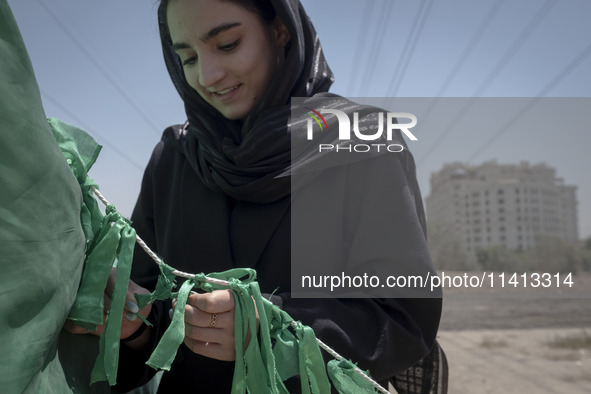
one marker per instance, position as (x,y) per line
(189,61)
(229,47)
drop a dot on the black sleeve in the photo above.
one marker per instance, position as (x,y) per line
(382,335)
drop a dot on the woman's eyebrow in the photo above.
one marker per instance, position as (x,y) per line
(219,29)
(208,36)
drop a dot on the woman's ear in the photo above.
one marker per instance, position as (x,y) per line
(282,35)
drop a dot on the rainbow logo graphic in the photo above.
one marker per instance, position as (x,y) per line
(312,113)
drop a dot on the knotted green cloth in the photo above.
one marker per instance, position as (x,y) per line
(281,350)
(115,240)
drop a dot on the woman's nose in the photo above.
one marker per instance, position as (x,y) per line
(210,71)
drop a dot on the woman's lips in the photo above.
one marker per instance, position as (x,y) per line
(224,93)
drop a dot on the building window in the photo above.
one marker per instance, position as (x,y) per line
(500,191)
(501,201)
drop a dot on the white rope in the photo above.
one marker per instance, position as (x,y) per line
(221,282)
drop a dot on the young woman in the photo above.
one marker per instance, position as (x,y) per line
(212,198)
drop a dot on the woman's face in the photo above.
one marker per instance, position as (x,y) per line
(229,55)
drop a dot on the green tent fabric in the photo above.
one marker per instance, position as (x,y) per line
(42,242)
(51,230)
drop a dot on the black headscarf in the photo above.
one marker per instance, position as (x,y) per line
(249,160)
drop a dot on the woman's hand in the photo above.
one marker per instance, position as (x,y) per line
(130,323)
(209,325)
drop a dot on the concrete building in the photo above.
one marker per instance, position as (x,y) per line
(501,204)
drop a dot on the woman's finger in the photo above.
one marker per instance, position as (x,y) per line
(211,349)
(215,302)
(208,334)
(199,318)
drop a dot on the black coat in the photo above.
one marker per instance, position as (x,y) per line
(195,229)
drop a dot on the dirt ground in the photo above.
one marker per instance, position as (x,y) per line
(518,340)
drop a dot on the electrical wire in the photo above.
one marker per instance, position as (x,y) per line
(410,46)
(361,43)
(377,44)
(517,44)
(95,134)
(507,56)
(569,68)
(105,74)
(489,17)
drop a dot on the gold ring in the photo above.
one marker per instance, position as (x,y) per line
(214,317)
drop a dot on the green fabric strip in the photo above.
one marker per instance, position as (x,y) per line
(346,380)
(108,358)
(166,282)
(312,371)
(166,350)
(89,305)
(80,151)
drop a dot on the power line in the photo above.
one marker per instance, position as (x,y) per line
(570,67)
(490,16)
(361,39)
(113,83)
(517,44)
(508,55)
(377,44)
(95,134)
(410,46)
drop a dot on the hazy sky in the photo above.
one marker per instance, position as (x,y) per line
(99,66)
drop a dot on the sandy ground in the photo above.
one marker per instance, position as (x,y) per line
(515,361)
(503,342)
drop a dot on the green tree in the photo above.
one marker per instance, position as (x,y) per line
(446,251)
(551,254)
(498,258)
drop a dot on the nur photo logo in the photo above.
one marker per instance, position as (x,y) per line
(349,130)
